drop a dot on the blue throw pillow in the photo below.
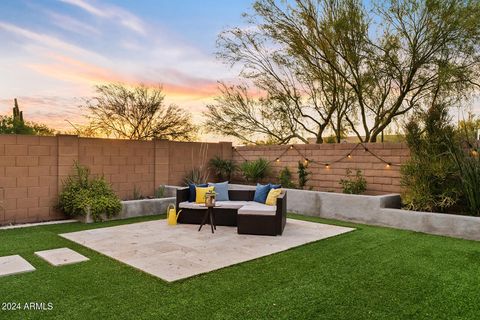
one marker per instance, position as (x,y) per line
(192,194)
(221,189)
(275,186)
(261,193)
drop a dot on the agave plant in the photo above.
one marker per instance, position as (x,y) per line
(200,173)
(196,176)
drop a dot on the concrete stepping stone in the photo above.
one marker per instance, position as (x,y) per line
(61,256)
(15,264)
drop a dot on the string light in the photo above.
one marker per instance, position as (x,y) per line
(327,165)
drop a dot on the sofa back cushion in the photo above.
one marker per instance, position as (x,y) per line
(201,193)
(192,195)
(261,193)
(272,197)
(221,190)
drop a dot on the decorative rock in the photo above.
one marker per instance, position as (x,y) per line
(15,264)
(61,256)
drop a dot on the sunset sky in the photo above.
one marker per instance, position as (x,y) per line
(54,51)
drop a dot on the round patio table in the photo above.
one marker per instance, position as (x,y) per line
(209,214)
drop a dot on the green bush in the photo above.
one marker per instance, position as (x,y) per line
(160,192)
(256,170)
(285,178)
(302,174)
(223,169)
(82,194)
(469,168)
(137,193)
(430,177)
(354,184)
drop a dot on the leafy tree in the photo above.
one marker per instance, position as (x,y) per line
(320,63)
(468,130)
(15,124)
(137,113)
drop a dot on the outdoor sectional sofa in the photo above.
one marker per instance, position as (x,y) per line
(249,216)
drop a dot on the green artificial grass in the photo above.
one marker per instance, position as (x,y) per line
(370,273)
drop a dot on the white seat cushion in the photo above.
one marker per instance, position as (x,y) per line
(191,205)
(231,204)
(221,204)
(255,208)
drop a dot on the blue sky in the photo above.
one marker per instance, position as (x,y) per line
(54,51)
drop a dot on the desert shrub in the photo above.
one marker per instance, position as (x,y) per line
(303,174)
(285,178)
(160,192)
(82,194)
(137,193)
(430,177)
(256,170)
(222,168)
(468,165)
(354,184)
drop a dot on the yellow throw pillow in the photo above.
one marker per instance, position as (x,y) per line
(272,197)
(201,192)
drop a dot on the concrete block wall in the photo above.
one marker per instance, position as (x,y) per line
(127,165)
(32,169)
(28,178)
(380,178)
(184,156)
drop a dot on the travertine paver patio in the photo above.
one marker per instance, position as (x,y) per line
(61,256)
(176,252)
(15,264)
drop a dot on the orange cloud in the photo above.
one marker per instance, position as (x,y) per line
(70,69)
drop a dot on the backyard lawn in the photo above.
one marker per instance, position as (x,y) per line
(370,273)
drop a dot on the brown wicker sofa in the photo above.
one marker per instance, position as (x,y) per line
(250,217)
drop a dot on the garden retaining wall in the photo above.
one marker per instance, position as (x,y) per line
(383,210)
(138,208)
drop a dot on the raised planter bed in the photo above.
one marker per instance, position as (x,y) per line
(381,210)
(137,208)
